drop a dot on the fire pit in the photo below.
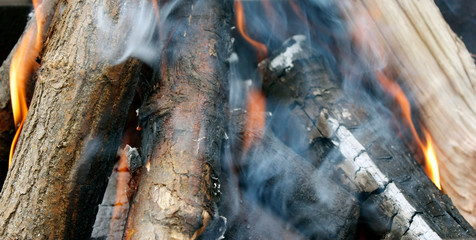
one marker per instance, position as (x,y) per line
(238,120)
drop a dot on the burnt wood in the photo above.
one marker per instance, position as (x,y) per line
(415,44)
(397,198)
(182,121)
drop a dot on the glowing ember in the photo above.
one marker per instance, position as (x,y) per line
(22,66)
(147,166)
(241,24)
(123,178)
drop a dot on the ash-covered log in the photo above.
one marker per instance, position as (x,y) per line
(397,199)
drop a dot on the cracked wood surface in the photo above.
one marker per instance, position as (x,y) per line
(397,197)
(70,138)
(182,123)
(434,64)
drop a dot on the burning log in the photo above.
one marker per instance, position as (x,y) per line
(182,121)
(7,127)
(397,198)
(433,63)
(70,138)
(322,160)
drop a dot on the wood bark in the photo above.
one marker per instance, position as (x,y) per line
(397,199)
(70,138)
(436,67)
(7,128)
(182,123)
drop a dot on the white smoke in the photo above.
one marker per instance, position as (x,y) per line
(140,28)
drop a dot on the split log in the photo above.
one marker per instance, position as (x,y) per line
(397,198)
(436,67)
(72,132)
(182,127)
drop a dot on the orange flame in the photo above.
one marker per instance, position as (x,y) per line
(362,35)
(22,66)
(255,118)
(431,161)
(241,24)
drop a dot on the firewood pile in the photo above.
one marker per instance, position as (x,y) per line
(192,119)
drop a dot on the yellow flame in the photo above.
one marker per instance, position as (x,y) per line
(431,161)
(22,66)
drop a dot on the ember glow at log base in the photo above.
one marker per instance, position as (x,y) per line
(247,119)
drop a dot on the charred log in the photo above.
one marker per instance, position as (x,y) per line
(397,198)
(70,138)
(303,196)
(182,123)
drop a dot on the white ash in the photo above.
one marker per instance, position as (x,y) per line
(420,230)
(248,83)
(369,177)
(406,216)
(133,159)
(284,61)
(354,153)
(233,58)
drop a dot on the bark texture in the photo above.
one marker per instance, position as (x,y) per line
(70,138)
(7,128)
(183,127)
(436,67)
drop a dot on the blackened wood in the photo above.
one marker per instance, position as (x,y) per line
(412,39)
(303,196)
(183,127)
(112,214)
(273,179)
(71,135)
(397,197)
